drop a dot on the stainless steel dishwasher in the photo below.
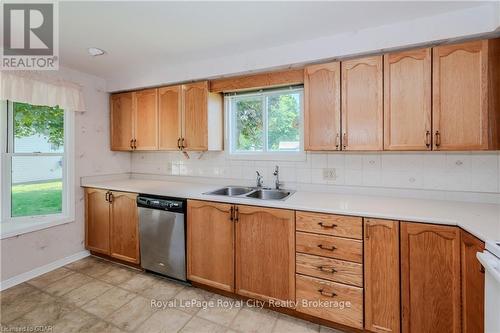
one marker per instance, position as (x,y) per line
(162,232)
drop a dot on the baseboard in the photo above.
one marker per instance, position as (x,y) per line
(23,277)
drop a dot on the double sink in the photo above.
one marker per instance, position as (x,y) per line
(252,193)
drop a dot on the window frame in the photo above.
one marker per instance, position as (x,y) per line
(17,225)
(265,154)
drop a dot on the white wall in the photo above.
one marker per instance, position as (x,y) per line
(23,253)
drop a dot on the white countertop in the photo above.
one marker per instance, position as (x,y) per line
(480,219)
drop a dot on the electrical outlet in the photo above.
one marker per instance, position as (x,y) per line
(329,174)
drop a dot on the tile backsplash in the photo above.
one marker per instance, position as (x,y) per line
(464,172)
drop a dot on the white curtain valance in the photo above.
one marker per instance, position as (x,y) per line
(33,88)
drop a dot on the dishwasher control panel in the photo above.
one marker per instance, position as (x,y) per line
(161,203)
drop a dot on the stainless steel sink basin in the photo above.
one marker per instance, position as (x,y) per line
(231,191)
(252,193)
(269,194)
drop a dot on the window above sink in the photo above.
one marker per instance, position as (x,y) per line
(265,125)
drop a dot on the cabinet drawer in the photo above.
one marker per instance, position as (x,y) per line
(332,301)
(328,224)
(329,246)
(330,269)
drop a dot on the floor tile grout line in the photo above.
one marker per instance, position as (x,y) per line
(73,306)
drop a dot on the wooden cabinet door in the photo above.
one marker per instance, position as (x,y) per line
(381,259)
(407,100)
(195,116)
(265,253)
(124,230)
(96,220)
(362,104)
(169,117)
(472,284)
(210,244)
(430,278)
(322,107)
(460,98)
(122,121)
(146,119)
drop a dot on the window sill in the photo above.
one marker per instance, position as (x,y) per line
(16,228)
(297,157)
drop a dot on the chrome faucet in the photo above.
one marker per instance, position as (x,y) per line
(259,179)
(276,173)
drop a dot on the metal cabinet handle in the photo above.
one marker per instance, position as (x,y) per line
(428,138)
(131,143)
(231,218)
(179,143)
(135,144)
(330,226)
(337,141)
(324,247)
(344,140)
(438,139)
(327,269)
(110,197)
(182,143)
(236,214)
(106,196)
(326,293)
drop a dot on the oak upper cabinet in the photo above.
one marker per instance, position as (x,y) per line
(430,278)
(146,119)
(407,100)
(265,253)
(362,104)
(124,227)
(465,95)
(122,121)
(134,120)
(169,117)
(322,107)
(201,118)
(381,264)
(111,224)
(210,244)
(97,220)
(472,284)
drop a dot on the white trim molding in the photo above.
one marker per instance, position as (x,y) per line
(23,277)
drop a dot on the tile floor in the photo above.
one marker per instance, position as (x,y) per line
(94,295)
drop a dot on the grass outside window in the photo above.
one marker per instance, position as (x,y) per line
(43,198)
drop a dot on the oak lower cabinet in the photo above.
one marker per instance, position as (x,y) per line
(97,220)
(472,284)
(329,267)
(381,264)
(247,250)
(265,253)
(124,226)
(210,244)
(430,278)
(111,224)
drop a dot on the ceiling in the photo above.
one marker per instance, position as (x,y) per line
(135,34)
